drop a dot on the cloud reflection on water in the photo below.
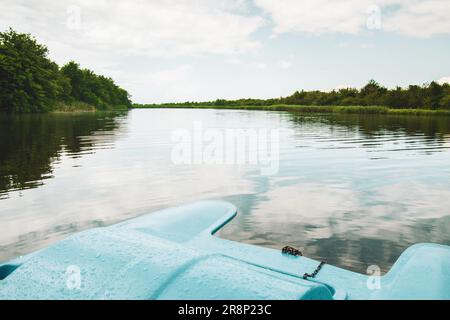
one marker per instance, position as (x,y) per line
(352,190)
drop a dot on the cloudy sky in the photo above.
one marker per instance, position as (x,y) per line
(161,50)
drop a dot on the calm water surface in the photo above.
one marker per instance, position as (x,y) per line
(352,190)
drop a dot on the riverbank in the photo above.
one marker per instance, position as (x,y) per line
(307,109)
(80,107)
(73,108)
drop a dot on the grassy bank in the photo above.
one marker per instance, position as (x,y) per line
(82,107)
(307,109)
(73,107)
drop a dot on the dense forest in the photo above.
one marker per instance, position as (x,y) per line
(429,96)
(31,82)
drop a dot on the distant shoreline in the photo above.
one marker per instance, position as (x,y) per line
(308,109)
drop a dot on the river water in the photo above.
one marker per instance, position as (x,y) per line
(354,190)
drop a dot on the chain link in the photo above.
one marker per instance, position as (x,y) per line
(314,274)
(295,252)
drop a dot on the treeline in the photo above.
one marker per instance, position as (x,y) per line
(31,82)
(429,96)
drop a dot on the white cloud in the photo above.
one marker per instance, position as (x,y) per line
(420,18)
(130,39)
(168,85)
(408,17)
(260,65)
(367,46)
(444,80)
(284,64)
(315,16)
(157,27)
(250,64)
(149,46)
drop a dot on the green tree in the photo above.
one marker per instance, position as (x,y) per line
(93,89)
(434,95)
(29,81)
(373,94)
(445,102)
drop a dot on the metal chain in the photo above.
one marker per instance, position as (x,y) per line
(314,274)
(295,252)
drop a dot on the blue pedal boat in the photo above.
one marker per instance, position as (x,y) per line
(172,254)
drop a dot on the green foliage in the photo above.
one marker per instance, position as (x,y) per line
(372,98)
(444,103)
(31,82)
(92,89)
